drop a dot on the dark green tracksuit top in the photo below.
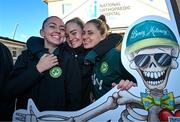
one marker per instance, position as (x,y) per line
(107,70)
(48,93)
(35,46)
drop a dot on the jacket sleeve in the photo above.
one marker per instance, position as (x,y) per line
(36,46)
(6,65)
(22,77)
(125,74)
(110,42)
(73,86)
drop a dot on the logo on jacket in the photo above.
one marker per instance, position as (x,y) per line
(97,82)
(55,72)
(104,67)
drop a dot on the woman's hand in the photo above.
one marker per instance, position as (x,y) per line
(124,84)
(46,62)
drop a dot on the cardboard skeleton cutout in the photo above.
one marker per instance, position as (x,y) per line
(152,50)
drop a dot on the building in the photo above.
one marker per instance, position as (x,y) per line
(14,46)
(119,13)
(176,12)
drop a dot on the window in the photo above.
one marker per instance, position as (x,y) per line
(14,53)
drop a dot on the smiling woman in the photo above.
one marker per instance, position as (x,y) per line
(49,81)
(107,69)
(53,32)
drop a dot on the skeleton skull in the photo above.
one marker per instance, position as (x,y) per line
(152,50)
(154,65)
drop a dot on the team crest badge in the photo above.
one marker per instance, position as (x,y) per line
(55,72)
(104,67)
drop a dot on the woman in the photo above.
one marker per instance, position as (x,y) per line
(108,70)
(74,29)
(51,81)
(73,45)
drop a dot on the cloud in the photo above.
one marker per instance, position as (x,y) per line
(24,36)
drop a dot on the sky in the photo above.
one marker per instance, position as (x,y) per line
(20,19)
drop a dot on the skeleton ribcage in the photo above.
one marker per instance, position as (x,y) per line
(130,112)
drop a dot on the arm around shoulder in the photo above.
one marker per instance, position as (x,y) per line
(36,46)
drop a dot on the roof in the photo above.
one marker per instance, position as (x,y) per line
(12,40)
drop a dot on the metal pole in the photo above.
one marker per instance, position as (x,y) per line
(15,30)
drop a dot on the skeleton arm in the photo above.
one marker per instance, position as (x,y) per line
(112,102)
(108,105)
(131,101)
(118,98)
(126,97)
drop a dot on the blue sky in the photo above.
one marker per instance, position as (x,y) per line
(26,15)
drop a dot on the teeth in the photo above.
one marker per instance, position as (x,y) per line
(155,75)
(159,74)
(152,75)
(148,74)
(162,73)
(155,83)
(56,36)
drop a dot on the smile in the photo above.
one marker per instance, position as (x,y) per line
(154,78)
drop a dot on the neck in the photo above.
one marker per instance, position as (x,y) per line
(50,47)
(52,50)
(156,92)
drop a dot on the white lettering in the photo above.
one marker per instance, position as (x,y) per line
(153,32)
(96,81)
(156,31)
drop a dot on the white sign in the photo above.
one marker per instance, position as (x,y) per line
(121,13)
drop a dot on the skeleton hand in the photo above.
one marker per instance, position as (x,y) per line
(26,117)
(125,97)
